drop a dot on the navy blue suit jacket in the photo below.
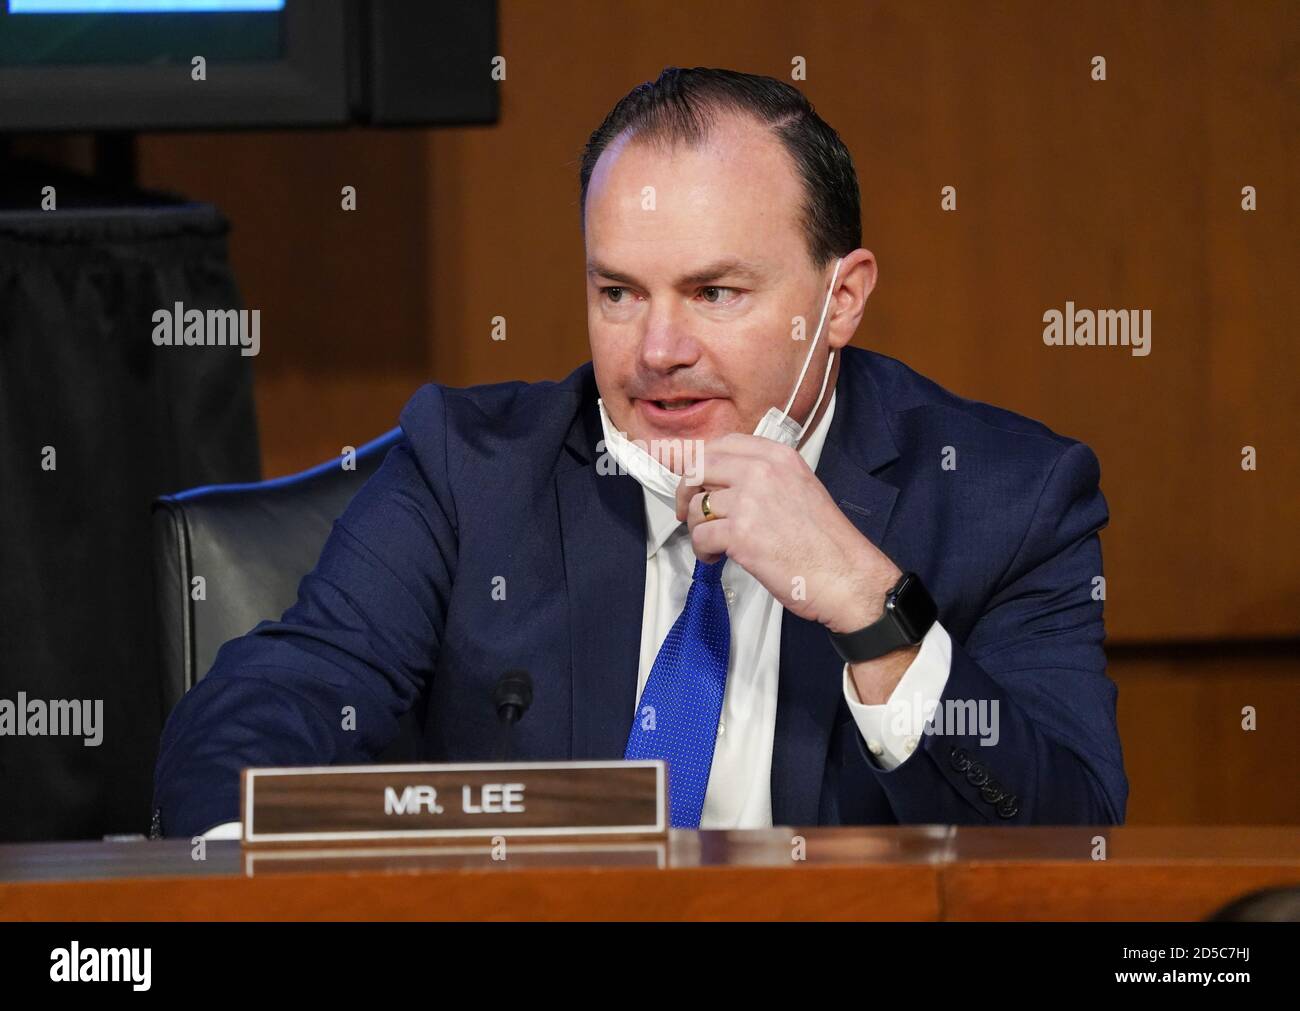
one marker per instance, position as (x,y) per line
(399,618)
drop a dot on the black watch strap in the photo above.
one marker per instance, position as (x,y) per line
(909,613)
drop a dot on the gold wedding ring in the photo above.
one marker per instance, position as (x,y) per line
(709,514)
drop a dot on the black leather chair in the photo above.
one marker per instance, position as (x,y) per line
(252,544)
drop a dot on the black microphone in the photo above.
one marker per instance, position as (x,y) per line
(513,696)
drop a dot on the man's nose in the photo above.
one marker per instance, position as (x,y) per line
(667,342)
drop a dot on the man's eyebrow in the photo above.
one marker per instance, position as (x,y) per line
(738,269)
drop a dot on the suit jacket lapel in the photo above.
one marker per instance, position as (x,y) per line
(810,688)
(603,534)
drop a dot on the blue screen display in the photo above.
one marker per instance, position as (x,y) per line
(139,6)
(153,33)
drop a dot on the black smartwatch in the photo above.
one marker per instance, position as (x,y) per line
(909,613)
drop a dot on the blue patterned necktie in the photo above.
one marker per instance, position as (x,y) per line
(677,717)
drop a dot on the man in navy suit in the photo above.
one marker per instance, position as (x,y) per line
(824,589)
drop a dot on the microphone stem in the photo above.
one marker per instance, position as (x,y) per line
(503,735)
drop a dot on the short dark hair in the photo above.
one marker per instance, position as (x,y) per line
(681,106)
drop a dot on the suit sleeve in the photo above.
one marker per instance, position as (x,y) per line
(1040,744)
(328,682)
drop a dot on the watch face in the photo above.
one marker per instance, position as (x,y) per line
(912,607)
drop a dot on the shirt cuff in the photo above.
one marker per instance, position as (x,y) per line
(226,830)
(892,730)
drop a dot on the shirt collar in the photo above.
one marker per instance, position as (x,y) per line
(661,510)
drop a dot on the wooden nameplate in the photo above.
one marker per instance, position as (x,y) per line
(518,801)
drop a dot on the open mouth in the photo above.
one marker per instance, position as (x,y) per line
(681,410)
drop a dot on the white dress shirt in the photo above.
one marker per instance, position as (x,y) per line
(739,794)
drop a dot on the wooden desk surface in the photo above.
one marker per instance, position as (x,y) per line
(886,873)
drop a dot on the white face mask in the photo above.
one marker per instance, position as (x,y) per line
(775,425)
(635,460)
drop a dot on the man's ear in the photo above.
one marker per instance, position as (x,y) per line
(853,287)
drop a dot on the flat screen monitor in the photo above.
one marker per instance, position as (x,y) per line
(96,65)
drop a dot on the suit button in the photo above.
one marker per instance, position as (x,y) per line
(977,774)
(993,792)
(1009,807)
(958,758)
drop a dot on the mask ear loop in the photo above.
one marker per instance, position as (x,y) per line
(808,361)
(830,360)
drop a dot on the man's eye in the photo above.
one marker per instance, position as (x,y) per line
(611,293)
(713,294)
